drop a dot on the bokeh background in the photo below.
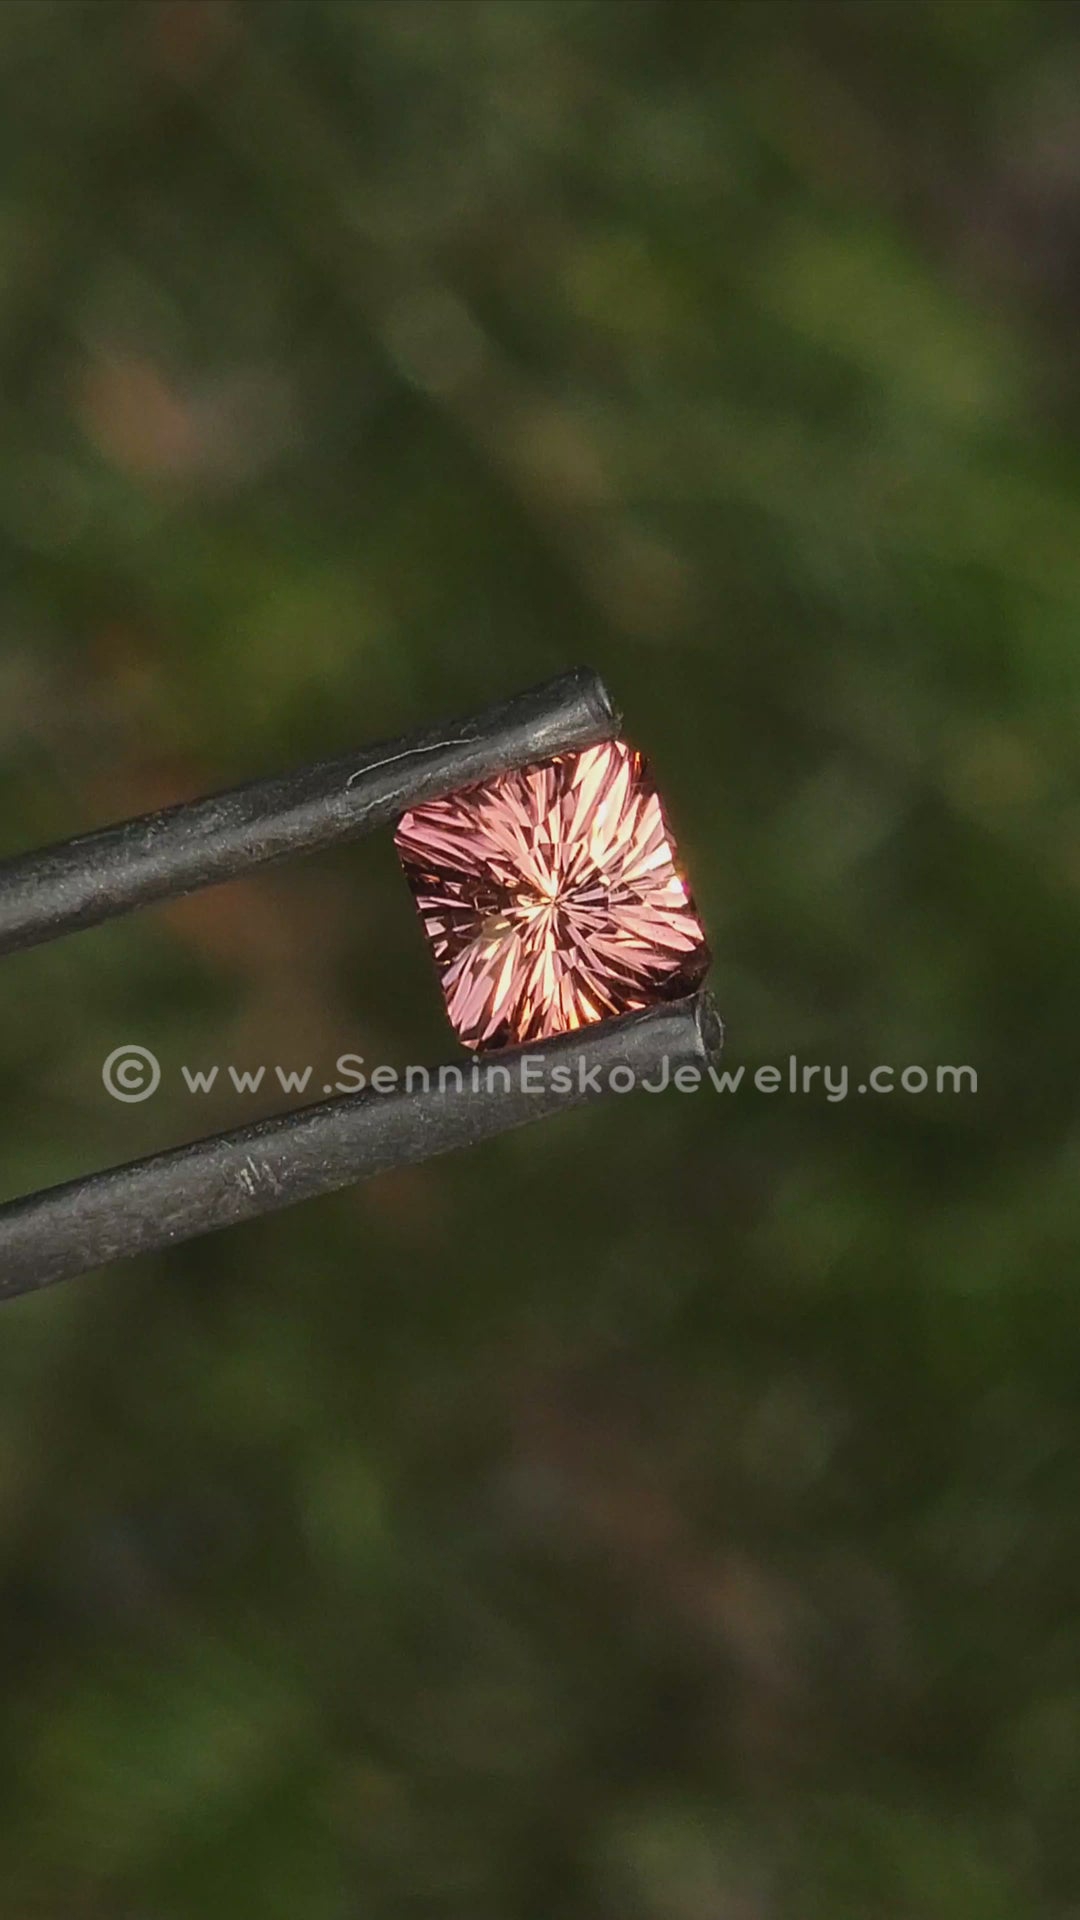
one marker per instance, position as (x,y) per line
(669,1513)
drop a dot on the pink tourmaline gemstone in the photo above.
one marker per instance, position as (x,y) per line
(551,897)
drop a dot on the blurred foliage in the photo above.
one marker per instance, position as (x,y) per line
(668,1513)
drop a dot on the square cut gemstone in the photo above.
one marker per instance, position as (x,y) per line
(551,897)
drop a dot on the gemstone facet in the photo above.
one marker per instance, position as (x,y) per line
(551,897)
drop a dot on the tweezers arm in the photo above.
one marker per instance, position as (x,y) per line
(174,1196)
(81,882)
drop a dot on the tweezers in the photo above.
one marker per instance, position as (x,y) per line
(157,1202)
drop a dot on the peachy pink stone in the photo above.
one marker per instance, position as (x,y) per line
(551,898)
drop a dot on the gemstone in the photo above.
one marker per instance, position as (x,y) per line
(551,897)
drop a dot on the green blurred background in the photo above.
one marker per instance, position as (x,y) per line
(669,1513)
